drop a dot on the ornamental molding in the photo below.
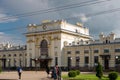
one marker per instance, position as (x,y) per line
(30,41)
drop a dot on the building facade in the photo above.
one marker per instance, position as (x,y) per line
(105,50)
(45,42)
(12,56)
(59,42)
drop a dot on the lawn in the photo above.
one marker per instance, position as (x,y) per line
(86,77)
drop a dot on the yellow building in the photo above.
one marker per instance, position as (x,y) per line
(12,56)
(45,42)
(69,46)
(105,50)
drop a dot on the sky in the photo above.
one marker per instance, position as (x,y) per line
(97,15)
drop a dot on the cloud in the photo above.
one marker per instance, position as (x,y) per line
(82,17)
(13,39)
(4,18)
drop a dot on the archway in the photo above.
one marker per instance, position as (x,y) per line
(44,53)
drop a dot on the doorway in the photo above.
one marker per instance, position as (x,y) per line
(106,62)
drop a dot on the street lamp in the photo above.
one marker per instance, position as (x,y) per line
(8,64)
(70,63)
(36,64)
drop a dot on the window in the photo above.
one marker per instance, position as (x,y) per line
(106,50)
(25,54)
(4,55)
(86,60)
(14,55)
(20,55)
(44,47)
(86,51)
(9,55)
(76,31)
(68,52)
(117,50)
(77,61)
(77,52)
(95,59)
(56,60)
(96,51)
(69,62)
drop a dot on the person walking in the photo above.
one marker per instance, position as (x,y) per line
(47,70)
(57,73)
(19,70)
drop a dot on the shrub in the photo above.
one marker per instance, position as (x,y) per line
(113,75)
(72,73)
(77,72)
(99,71)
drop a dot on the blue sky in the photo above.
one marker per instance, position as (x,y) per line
(13,23)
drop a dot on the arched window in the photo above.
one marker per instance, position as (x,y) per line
(44,47)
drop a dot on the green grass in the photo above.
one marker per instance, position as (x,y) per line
(86,77)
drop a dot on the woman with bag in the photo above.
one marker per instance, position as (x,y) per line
(19,69)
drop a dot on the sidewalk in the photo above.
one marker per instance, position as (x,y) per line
(26,75)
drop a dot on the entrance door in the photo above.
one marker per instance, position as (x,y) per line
(43,63)
(106,62)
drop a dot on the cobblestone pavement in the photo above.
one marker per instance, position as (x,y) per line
(26,75)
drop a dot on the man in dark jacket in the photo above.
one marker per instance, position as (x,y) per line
(57,73)
(19,70)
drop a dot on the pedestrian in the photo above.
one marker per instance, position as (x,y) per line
(19,70)
(47,70)
(57,73)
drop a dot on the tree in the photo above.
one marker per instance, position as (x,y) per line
(99,71)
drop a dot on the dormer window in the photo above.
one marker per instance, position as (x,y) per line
(76,31)
(106,41)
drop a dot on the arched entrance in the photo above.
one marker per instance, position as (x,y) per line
(44,53)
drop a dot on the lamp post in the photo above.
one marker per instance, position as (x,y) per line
(70,63)
(36,64)
(8,64)
(116,63)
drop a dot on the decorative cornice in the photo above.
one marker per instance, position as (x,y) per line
(30,41)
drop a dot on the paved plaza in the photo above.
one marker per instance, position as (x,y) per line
(26,75)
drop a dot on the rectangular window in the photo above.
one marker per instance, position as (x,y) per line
(106,50)
(77,52)
(4,55)
(95,59)
(69,62)
(96,51)
(86,59)
(86,51)
(117,50)
(77,61)
(68,52)
(56,60)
